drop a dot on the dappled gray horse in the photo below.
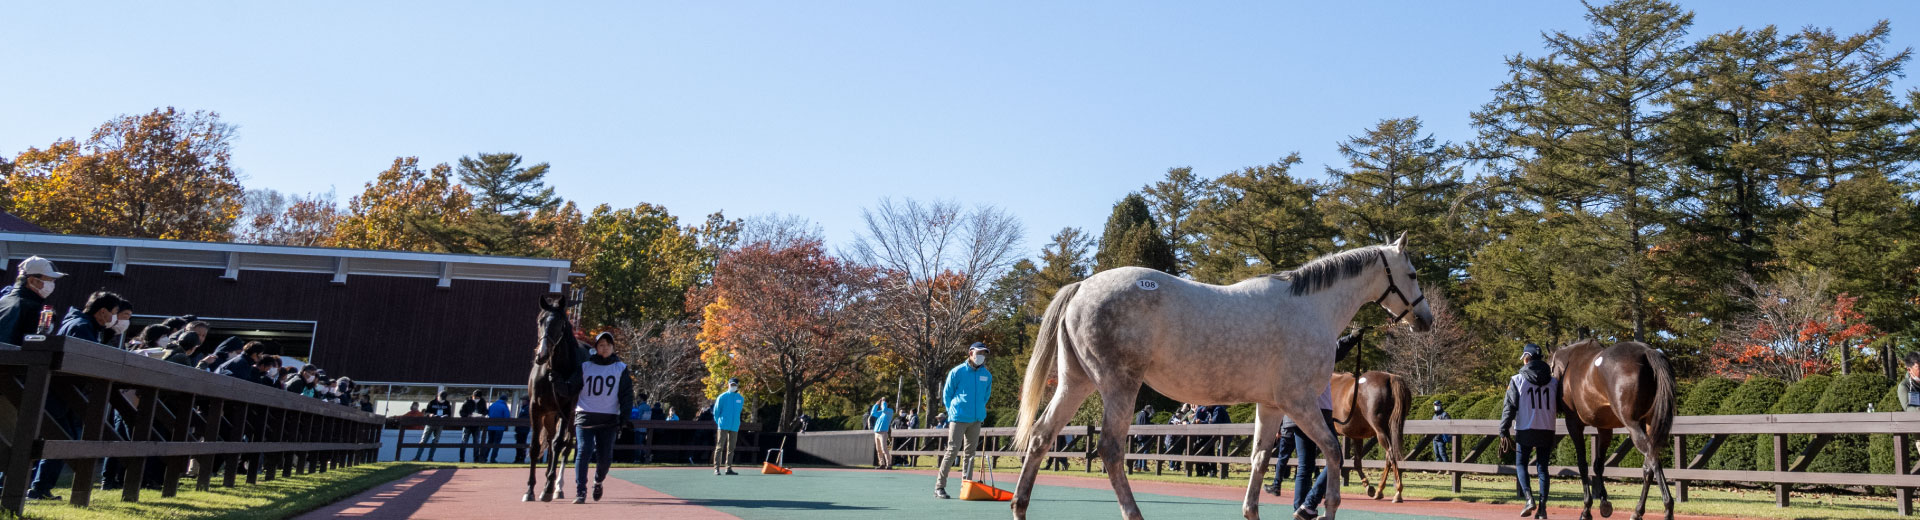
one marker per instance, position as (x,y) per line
(1268,340)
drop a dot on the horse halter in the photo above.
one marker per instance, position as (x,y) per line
(1393,289)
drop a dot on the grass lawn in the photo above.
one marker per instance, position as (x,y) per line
(281,498)
(1702,500)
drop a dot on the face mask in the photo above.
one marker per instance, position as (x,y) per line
(979,359)
(120,327)
(46,288)
(112,320)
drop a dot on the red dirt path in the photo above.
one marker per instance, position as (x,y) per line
(486,494)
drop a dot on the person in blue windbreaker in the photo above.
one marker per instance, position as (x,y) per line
(968,387)
(726,416)
(882,416)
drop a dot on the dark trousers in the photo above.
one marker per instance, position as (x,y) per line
(1309,488)
(46,472)
(1440,448)
(1281,471)
(591,445)
(492,451)
(1535,446)
(470,436)
(519,437)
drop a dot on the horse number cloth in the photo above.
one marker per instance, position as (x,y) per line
(1536,403)
(599,394)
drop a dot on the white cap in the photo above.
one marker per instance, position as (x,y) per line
(39,266)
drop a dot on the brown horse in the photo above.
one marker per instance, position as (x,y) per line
(1628,385)
(1375,406)
(556,361)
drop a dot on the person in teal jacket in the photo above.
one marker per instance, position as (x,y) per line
(726,415)
(882,432)
(968,387)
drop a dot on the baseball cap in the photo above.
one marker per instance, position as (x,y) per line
(39,266)
(603,336)
(1530,349)
(977,346)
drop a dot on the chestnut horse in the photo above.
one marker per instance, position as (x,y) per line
(1628,385)
(1375,406)
(556,361)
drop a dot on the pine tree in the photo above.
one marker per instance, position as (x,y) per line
(506,196)
(1132,239)
(1399,181)
(1259,220)
(1174,201)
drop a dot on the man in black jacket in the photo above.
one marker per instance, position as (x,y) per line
(471,435)
(439,407)
(1533,395)
(20,308)
(242,366)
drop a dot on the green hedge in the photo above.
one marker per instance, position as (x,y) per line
(1754,397)
(1242,413)
(1486,405)
(1801,397)
(1880,447)
(1705,396)
(1848,394)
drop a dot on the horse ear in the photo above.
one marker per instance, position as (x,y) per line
(1400,240)
(548,305)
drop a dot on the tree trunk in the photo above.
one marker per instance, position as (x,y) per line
(789,403)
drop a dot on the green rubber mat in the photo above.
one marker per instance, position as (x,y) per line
(816,494)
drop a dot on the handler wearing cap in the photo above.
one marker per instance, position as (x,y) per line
(968,387)
(726,416)
(1533,395)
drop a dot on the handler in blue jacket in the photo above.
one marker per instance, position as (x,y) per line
(968,387)
(882,418)
(726,416)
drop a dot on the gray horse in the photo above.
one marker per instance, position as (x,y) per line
(1268,340)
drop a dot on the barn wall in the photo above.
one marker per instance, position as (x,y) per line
(374,328)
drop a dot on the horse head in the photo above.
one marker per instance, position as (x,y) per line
(554,328)
(1411,306)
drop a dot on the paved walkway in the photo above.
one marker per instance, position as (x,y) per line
(696,494)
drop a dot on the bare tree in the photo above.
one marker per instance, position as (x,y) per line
(665,357)
(938,258)
(1440,358)
(270,217)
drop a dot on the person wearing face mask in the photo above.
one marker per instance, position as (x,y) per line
(95,320)
(1440,441)
(968,388)
(726,416)
(20,309)
(116,334)
(242,366)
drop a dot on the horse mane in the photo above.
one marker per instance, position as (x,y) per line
(1323,272)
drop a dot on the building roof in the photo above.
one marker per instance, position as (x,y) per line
(236,258)
(8,222)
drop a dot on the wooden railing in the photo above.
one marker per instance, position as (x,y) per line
(58,394)
(693,437)
(1696,438)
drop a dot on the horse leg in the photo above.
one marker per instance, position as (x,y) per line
(1066,400)
(1602,447)
(1579,434)
(1650,470)
(553,456)
(533,460)
(1266,433)
(1356,444)
(1118,398)
(1395,454)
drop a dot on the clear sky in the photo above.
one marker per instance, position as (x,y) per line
(1050,110)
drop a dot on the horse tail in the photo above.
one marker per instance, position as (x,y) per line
(1397,423)
(1045,347)
(1662,420)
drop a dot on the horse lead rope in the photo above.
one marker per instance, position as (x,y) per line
(1394,290)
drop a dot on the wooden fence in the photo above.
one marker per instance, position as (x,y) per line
(59,393)
(1697,438)
(693,438)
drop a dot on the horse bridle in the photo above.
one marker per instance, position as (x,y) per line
(1393,289)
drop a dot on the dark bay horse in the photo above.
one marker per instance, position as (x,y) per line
(1374,406)
(556,361)
(1628,385)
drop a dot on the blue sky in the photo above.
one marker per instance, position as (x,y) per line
(1051,111)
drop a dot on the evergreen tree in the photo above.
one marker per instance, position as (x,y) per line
(1174,201)
(1132,239)
(1399,181)
(1259,220)
(505,197)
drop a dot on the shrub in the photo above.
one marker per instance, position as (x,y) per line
(1705,396)
(1753,397)
(1801,397)
(1242,413)
(1880,447)
(1486,405)
(1848,394)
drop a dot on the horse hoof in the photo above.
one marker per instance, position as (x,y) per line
(1397,499)
(1370,493)
(1606,509)
(527,497)
(1586,515)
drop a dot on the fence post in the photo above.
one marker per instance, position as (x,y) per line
(1454,447)
(1089,447)
(1680,462)
(32,405)
(1780,464)
(1902,496)
(401,439)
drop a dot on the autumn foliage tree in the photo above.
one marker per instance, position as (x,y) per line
(271,217)
(791,316)
(389,213)
(1796,328)
(164,174)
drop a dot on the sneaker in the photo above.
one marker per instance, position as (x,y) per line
(48,496)
(716,472)
(1531,508)
(730,472)
(1272,490)
(941,494)
(596,492)
(579,500)
(1305,513)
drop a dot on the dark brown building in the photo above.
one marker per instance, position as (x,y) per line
(403,323)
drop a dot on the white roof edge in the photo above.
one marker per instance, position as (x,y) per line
(330,252)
